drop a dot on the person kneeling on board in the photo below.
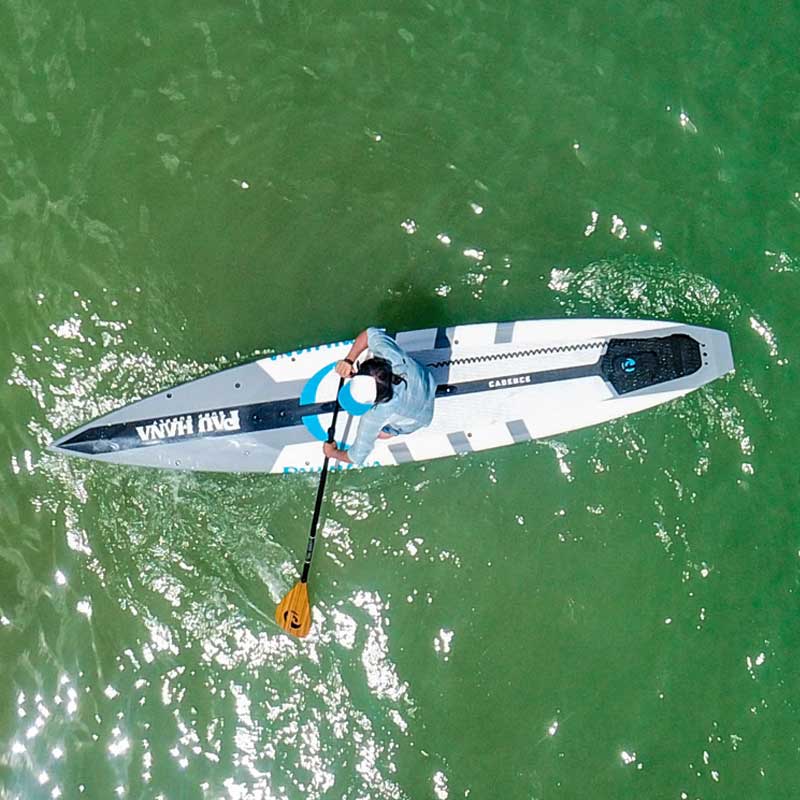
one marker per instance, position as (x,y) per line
(399,391)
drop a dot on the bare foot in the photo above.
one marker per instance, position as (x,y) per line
(384,435)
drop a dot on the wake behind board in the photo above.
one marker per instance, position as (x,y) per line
(498,384)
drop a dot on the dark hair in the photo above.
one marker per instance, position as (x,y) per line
(381,370)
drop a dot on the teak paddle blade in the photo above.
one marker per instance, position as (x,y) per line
(294,612)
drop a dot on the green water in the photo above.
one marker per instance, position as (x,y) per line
(609,615)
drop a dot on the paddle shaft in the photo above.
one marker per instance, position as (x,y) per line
(312,536)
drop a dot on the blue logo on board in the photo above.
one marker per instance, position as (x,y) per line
(629,364)
(346,400)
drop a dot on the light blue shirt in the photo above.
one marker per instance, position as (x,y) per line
(411,406)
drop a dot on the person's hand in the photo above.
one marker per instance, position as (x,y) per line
(344,370)
(329,448)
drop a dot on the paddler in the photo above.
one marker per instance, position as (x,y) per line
(397,391)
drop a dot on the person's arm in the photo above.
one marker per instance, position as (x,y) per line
(385,346)
(345,367)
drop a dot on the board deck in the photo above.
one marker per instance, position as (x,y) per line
(497,384)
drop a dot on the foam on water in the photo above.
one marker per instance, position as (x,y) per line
(723,410)
(196,570)
(607,614)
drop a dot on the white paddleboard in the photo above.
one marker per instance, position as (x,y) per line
(498,384)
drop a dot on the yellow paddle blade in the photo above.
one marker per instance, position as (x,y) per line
(293,613)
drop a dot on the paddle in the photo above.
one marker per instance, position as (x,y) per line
(293,613)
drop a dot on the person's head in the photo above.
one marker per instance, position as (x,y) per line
(380,370)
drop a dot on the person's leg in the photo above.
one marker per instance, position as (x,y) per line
(387,432)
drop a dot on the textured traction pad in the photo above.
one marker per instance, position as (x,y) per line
(632,364)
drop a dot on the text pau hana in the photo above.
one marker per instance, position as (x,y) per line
(189,425)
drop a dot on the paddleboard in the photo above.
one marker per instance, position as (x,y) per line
(498,384)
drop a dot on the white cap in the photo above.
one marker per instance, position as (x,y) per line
(363,389)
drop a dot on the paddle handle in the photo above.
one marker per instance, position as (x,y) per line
(312,536)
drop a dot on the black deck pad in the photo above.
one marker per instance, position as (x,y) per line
(631,364)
